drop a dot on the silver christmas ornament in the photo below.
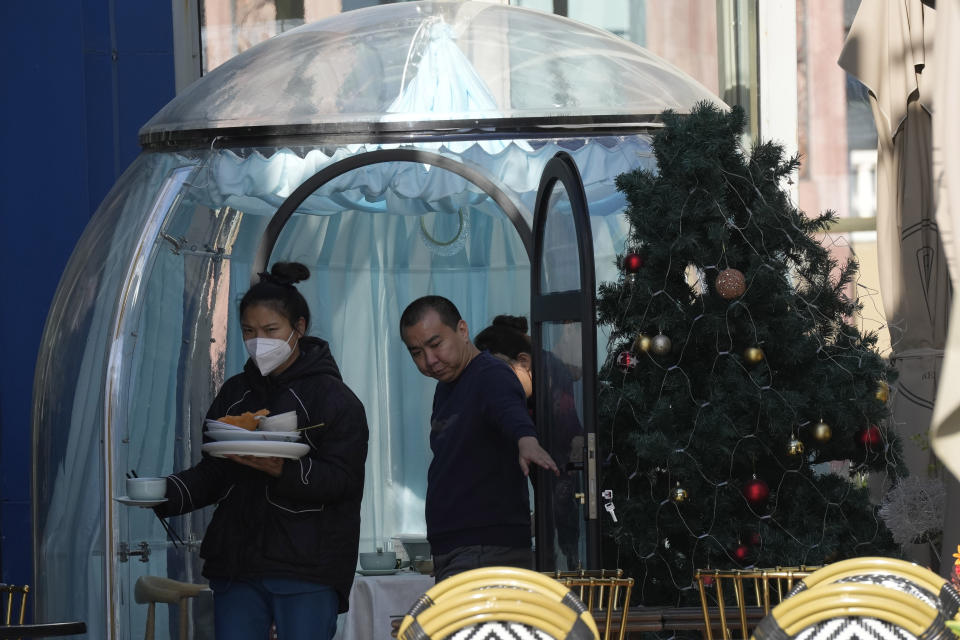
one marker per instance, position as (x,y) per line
(661,345)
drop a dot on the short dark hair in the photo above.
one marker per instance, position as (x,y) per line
(504,338)
(276,290)
(415,311)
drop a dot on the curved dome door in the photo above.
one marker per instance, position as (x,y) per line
(562,309)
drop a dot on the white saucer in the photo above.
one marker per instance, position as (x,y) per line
(262,449)
(140,503)
(253,436)
(377,572)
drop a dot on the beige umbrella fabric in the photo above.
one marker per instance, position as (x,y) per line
(945,431)
(889,49)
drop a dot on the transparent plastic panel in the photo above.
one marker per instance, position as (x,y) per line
(144,330)
(431,60)
(560,270)
(69,494)
(563,430)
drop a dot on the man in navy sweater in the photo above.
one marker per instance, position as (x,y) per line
(483,442)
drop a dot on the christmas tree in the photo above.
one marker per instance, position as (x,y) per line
(741,411)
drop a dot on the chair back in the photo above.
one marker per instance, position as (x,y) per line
(892,573)
(606,594)
(852,610)
(493,601)
(14,603)
(742,596)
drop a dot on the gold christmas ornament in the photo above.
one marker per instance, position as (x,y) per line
(679,494)
(642,343)
(883,392)
(822,432)
(753,355)
(795,446)
(730,284)
(661,345)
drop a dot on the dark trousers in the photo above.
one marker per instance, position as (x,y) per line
(480,555)
(245,609)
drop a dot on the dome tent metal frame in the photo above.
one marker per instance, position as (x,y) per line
(572,305)
(325,175)
(430,131)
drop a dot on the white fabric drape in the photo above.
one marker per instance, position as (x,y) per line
(258,184)
(945,431)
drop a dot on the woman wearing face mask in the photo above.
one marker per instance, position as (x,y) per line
(282,545)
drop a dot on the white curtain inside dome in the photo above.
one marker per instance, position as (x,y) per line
(258,184)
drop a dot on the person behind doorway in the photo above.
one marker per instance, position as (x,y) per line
(507,338)
(282,545)
(483,442)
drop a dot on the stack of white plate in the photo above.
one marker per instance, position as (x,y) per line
(233,440)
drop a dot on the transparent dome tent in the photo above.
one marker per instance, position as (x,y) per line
(396,151)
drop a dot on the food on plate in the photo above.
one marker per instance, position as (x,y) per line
(246,420)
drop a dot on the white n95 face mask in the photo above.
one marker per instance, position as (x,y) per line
(269,353)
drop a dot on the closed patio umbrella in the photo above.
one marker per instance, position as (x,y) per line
(945,431)
(889,49)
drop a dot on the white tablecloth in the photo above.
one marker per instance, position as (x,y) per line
(377,600)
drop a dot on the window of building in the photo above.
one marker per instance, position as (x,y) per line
(837,143)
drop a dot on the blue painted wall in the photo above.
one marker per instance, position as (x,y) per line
(80,78)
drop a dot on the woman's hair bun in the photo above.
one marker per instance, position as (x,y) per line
(289,272)
(517,323)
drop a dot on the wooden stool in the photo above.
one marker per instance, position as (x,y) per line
(153,589)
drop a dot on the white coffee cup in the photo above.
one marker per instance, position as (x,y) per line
(146,488)
(280,422)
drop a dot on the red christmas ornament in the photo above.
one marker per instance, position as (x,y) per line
(741,553)
(756,492)
(632,262)
(870,437)
(626,360)
(708,581)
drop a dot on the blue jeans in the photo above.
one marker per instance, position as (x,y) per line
(480,555)
(245,609)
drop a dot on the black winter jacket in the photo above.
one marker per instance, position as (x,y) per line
(306,523)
